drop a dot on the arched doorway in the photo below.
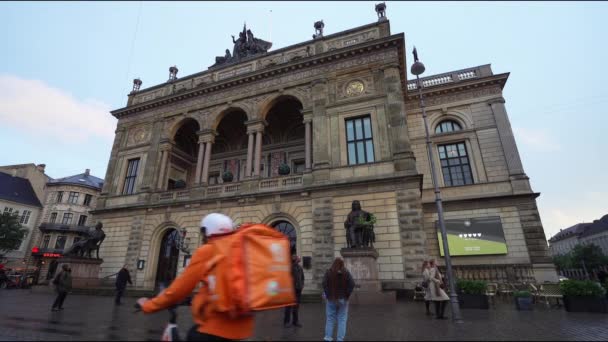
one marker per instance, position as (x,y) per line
(167,258)
(290,231)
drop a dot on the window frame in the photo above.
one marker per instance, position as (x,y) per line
(453,123)
(356,140)
(46,242)
(59,197)
(53,217)
(87,199)
(65,237)
(25,216)
(73,197)
(450,175)
(80,219)
(63,219)
(131,176)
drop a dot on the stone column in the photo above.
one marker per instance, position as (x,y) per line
(107,184)
(320,124)
(205,176)
(163,169)
(308,143)
(258,154)
(395,111)
(149,170)
(250,144)
(199,161)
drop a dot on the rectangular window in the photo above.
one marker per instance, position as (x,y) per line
(76,239)
(59,196)
(73,198)
(25,217)
(8,210)
(45,241)
(299,166)
(129,187)
(87,199)
(67,218)
(359,140)
(455,164)
(53,217)
(82,220)
(214,178)
(60,242)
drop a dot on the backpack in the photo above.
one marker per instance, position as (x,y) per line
(250,271)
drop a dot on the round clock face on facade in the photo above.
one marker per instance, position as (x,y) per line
(355,88)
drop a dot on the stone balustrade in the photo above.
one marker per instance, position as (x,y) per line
(451,77)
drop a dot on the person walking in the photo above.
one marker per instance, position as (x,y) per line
(122,279)
(298,284)
(63,284)
(338,285)
(436,286)
(426,280)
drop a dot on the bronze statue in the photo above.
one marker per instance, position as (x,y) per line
(83,248)
(246,45)
(359,230)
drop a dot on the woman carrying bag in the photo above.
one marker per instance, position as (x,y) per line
(338,285)
(436,287)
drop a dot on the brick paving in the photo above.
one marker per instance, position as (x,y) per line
(26,315)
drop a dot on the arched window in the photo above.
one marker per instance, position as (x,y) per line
(290,231)
(447,126)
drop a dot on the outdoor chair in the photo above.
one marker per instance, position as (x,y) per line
(534,291)
(491,291)
(550,290)
(419,292)
(504,289)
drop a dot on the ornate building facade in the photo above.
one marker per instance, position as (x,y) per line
(291,137)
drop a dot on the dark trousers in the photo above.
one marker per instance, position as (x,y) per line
(293,310)
(59,300)
(440,308)
(195,335)
(119,292)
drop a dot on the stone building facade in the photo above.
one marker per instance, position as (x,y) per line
(340,113)
(65,219)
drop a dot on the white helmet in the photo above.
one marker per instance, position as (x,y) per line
(215,224)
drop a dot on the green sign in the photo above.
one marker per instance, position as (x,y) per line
(478,236)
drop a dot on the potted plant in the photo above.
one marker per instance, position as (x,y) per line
(472,294)
(227,176)
(584,296)
(179,184)
(523,300)
(284,169)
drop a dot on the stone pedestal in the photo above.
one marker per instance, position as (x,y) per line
(85,272)
(362,264)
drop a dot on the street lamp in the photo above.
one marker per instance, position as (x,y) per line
(417,69)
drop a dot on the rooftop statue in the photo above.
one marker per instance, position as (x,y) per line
(245,46)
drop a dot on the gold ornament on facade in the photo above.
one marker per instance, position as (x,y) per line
(139,135)
(355,88)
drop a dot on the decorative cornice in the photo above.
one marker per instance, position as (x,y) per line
(303,63)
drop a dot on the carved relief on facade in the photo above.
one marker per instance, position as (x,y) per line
(354,87)
(138,135)
(269,61)
(353,39)
(412,103)
(292,55)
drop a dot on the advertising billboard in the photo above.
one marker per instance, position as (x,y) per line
(475,236)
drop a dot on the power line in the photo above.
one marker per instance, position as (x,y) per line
(133,42)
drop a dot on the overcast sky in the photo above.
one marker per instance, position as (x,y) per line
(64,66)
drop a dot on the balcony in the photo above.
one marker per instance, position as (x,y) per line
(60,227)
(233,189)
(451,77)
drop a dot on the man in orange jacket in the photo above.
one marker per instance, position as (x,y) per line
(209,326)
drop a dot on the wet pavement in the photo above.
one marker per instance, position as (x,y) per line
(26,315)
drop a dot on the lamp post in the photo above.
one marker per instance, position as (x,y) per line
(417,69)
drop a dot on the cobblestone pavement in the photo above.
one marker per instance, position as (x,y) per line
(26,315)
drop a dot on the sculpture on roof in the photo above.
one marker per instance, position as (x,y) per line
(245,46)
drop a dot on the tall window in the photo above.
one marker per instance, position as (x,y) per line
(8,210)
(25,217)
(129,187)
(53,217)
(87,199)
(82,220)
(60,242)
(76,239)
(359,140)
(73,197)
(59,196)
(455,164)
(447,126)
(67,218)
(45,241)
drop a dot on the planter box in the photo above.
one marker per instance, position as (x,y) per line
(523,303)
(585,304)
(469,301)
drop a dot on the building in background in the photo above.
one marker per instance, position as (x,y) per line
(291,137)
(17,196)
(595,232)
(66,218)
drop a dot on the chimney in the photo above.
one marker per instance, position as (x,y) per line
(40,167)
(87,172)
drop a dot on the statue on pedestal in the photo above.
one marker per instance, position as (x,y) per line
(83,248)
(246,45)
(359,227)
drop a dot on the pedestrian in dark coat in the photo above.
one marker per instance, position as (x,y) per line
(122,279)
(338,285)
(63,284)
(298,284)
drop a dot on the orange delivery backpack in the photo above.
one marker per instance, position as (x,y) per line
(250,271)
